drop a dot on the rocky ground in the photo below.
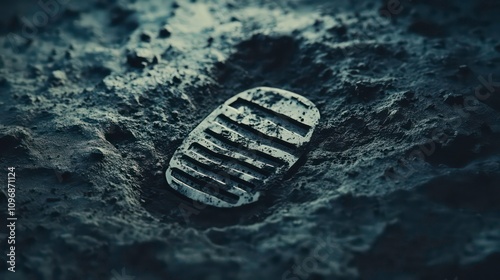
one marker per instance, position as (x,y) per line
(401,180)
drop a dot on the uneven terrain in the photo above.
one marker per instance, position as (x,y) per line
(401,179)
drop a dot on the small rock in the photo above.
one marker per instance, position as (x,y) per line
(146,36)
(318,23)
(165,32)
(140,58)
(58,77)
(96,154)
(175,115)
(362,66)
(176,80)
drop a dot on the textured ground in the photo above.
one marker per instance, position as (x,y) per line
(401,180)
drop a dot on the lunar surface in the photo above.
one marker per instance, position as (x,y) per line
(401,178)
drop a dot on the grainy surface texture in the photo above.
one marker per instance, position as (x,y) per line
(401,180)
